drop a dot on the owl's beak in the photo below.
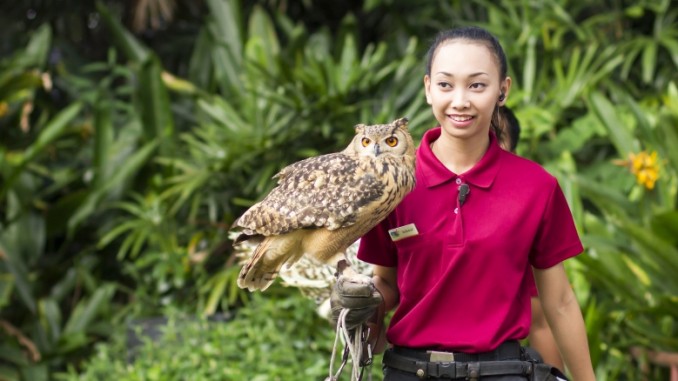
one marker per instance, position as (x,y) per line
(377,150)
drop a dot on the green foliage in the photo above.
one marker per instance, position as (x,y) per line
(120,172)
(293,101)
(631,232)
(142,182)
(52,304)
(270,339)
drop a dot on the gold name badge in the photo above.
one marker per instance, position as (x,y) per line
(403,232)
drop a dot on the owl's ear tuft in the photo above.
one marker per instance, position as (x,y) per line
(359,128)
(401,122)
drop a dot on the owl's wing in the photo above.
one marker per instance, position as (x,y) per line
(322,191)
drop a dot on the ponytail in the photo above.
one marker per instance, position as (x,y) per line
(497,123)
(506,125)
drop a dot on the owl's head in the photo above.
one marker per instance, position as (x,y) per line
(378,140)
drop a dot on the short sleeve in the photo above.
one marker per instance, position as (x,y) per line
(557,238)
(377,248)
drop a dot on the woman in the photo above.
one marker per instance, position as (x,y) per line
(465,239)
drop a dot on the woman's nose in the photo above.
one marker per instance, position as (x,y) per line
(460,100)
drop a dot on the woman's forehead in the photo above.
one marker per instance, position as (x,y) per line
(464,57)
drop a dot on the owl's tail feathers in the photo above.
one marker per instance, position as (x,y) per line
(256,274)
(268,258)
(240,237)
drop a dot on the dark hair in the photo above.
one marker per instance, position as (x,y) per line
(482,36)
(512,127)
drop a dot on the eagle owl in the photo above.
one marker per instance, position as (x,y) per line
(321,205)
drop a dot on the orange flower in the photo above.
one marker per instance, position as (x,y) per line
(645,167)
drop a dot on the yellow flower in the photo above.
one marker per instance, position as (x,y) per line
(3,108)
(646,168)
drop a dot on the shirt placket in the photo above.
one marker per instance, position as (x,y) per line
(456,235)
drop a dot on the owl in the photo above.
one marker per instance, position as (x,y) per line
(321,205)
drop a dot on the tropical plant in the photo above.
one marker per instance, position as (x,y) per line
(50,303)
(632,229)
(125,156)
(288,103)
(271,338)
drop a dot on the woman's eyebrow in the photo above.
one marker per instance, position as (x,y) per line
(470,75)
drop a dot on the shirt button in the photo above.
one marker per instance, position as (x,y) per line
(458,181)
(456,210)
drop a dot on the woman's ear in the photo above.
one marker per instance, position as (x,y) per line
(427,88)
(504,92)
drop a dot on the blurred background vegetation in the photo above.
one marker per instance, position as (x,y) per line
(132,133)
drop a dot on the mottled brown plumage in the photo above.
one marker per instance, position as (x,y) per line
(323,204)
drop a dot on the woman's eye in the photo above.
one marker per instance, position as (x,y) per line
(477,85)
(365,142)
(392,141)
(444,85)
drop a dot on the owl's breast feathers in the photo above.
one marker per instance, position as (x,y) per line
(331,191)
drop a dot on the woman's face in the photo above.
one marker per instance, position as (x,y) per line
(463,88)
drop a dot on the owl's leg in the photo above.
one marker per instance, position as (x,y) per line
(344,268)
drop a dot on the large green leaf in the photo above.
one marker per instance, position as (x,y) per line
(262,33)
(86,311)
(649,61)
(662,253)
(51,132)
(620,134)
(6,288)
(529,69)
(226,30)
(34,56)
(665,225)
(18,86)
(200,67)
(667,134)
(35,372)
(124,40)
(103,140)
(608,199)
(124,173)
(19,274)
(154,106)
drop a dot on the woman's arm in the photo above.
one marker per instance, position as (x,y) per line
(385,280)
(564,316)
(541,338)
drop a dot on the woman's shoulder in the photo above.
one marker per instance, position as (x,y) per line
(526,169)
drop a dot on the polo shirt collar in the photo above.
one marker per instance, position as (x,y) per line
(434,173)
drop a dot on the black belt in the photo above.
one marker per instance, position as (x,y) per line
(508,350)
(472,369)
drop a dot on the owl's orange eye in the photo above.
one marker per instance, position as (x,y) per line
(392,141)
(365,142)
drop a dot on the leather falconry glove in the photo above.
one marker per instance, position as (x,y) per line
(357,293)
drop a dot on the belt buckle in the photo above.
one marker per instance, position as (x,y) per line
(436,356)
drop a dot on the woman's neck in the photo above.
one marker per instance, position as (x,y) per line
(459,155)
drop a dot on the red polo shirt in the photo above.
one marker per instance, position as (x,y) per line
(464,269)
